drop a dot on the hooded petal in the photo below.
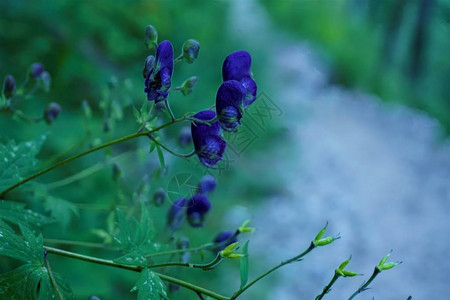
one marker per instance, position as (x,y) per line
(236,66)
(222,237)
(175,214)
(198,206)
(159,78)
(250,90)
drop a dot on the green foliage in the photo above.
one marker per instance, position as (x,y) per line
(61,210)
(17,213)
(17,160)
(149,286)
(135,238)
(244,265)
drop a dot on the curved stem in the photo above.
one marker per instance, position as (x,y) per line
(172,116)
(327,288)
(111,263)
(52,277)
(99,147)
(293,259)
(170,150)
(80,244)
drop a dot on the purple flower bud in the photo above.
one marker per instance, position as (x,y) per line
(229,102)
(36,70)
(183,243)
(51,112)
(223,236)
(159,196)
(207,184)
(45,80)
(159,80)
(185,137)
(9,86)
(208,142)
(175,214)
(198,206)
(237,66)
(190,50)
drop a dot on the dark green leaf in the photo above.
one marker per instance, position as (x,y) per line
(28,250)
(16,213)
(150,287)
(244,265)
(161,157)
(17,160)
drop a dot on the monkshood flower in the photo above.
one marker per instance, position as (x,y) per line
(237,66)
(229,104)
(208,142)
(51,112)
(175,214)
(207,184)
(223,236)
(9,86)
(159,196)
(159,78)
(36,70)
(198,206)
(190,50)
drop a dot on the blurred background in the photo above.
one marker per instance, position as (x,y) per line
(350,126)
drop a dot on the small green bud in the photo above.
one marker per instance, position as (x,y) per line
(151,37)
(229,251)
(9,86)
(243,228)
(45,81)
(86,109)
(159,196)
(383,265)
(148,65)
(319,241)
(190,50)
(188,85)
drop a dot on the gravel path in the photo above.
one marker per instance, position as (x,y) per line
(378,174)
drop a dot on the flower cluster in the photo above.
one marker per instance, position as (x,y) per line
(234,95)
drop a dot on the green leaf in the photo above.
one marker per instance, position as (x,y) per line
(150,287)
(16,213)
(161,157)
(61,210)
(29,250)
(135,238)
(17,160)
(244,265)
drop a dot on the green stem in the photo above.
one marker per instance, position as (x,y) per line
(328,287)
(170,150)
(80,244)
(205,267)
(135,269)
(172,116)
(293,259)
(52,278)
(363,287)
(99,147)
(179,58)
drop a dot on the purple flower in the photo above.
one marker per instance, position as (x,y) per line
(9,86)
(185,137)
(175,214)
(229,104)
(159,78)
(51,112)
(237,66)
(223,236)
(207,184)
(208,142)
(36,70)
(198,206)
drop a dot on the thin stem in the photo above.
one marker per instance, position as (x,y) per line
(205,267)
(81,244)
(172,116)
(52,278)
(99,147)
(293,259)
(170,150)
(179,58)
(363,287)
(327,288)
(135,269)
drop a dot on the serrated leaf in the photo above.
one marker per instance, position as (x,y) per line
(28,250)
(150,287)
(135,238)
(61,210)
(161,157)
(243,265)
(17,160)
(17,213)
